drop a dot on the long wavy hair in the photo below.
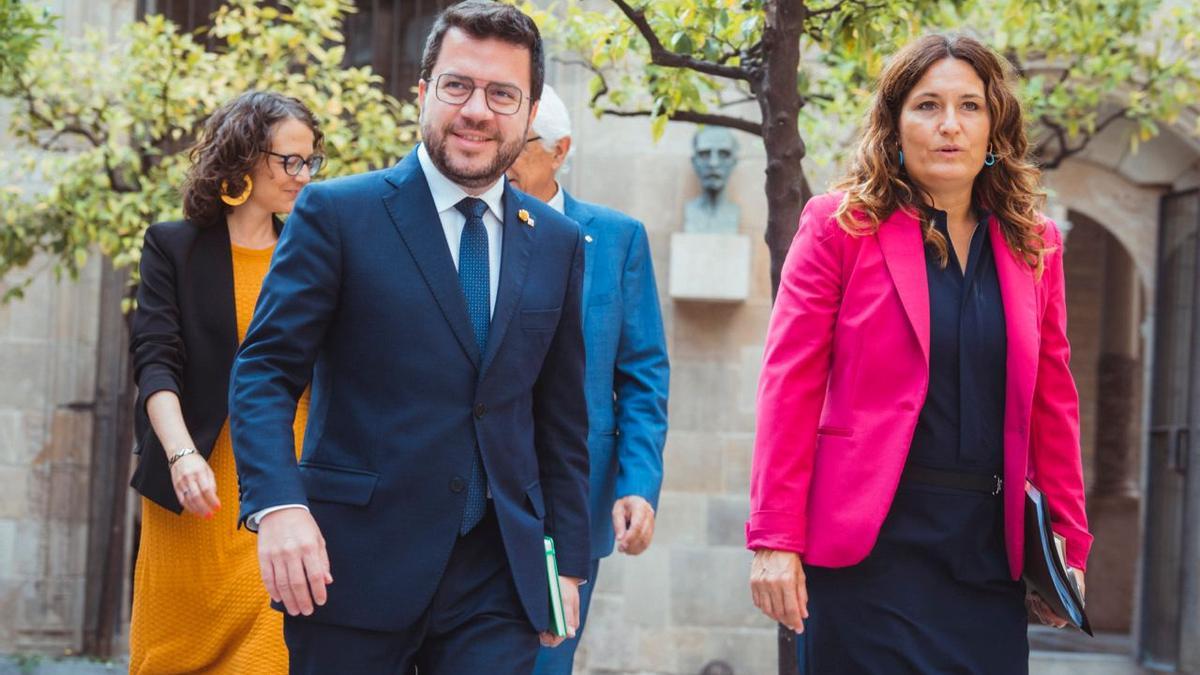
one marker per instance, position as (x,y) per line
(877,185)
(230,144)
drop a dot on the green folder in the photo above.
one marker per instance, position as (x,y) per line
(558,620)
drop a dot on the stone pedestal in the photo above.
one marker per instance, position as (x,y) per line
(710,267)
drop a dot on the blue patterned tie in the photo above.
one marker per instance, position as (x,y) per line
(475,278)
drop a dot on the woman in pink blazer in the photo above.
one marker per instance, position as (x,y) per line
(915,376)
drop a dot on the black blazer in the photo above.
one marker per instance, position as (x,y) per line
(183,339)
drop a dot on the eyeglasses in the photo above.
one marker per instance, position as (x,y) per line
(292,164)
(502,99)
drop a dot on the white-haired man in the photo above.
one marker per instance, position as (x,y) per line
(627,370)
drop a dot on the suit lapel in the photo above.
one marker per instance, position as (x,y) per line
(573,211)
(514,265)
(1021,327)
(213,279)
(904,253)
(415,217)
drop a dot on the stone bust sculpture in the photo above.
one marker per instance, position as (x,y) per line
(714,154)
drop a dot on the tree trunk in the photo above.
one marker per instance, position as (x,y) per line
(112,445)
(778,97)
(787,187)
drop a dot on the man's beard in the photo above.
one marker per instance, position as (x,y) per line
(506,153)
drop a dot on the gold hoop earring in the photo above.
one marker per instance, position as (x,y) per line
(240,199)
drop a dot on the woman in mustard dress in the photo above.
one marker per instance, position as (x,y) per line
(198,603)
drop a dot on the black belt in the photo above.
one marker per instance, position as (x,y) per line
(976,482)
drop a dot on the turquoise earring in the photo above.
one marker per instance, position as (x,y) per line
(901,158)
(990,158)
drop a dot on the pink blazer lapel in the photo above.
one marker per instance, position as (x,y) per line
(904,253)
(1021,326)
(1019,292)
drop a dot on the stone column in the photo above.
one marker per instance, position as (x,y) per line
(1119,374)
(1113,502)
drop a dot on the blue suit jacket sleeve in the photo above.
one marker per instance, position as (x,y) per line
(275,361)
(641,378)
(560,433)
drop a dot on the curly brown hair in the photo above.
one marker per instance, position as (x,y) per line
(231,143)
(876,186)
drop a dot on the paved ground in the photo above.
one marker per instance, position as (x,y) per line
(41,665)
(1041,663)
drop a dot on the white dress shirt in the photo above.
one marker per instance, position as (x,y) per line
(446,194)
(558,202)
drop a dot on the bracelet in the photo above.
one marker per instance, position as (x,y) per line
(182,453)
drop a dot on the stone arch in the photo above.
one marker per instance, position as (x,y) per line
(1127,211)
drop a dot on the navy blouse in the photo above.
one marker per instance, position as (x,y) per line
(961,426)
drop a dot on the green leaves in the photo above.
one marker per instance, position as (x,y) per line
(107,124)
(22,27)
(1083,62)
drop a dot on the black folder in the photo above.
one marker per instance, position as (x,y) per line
(1045,568)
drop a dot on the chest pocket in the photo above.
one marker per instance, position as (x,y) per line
(540,320)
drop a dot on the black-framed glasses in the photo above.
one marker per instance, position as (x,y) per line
(292,164)
(502,99)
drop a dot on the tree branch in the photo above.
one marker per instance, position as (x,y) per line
(727,121)
(661,56)
(825,11)
(595,70)
(94,138)
(809,13)
(1065,150)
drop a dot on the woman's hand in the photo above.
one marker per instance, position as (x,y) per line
(779,589)
(1041,609)
(195,485)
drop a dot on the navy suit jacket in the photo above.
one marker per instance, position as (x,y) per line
(627,370)
(362,297)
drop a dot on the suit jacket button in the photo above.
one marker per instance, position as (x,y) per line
(457,484)
(480,410)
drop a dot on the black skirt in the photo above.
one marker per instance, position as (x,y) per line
(934,596)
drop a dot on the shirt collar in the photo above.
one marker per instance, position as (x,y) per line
(446,193)
(558,202)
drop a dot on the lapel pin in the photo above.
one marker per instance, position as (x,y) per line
(524,217)
(587,238)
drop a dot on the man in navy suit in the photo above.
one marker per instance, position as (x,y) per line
(436,311)
(627,369)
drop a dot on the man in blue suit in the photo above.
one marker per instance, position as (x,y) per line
(436,311)
(627,369)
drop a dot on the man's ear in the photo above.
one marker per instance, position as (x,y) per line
(562,148)
(422,89)
(533,108)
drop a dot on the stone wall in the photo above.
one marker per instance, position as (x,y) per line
(48,359)
(685,601)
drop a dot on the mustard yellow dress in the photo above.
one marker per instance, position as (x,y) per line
(199,605)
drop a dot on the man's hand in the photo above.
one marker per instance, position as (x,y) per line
(570,600)
(633,523)
(778,586)
(1041,609)
(292,560)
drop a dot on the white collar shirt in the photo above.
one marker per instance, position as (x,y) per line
(558,202)
(446,194)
